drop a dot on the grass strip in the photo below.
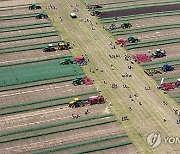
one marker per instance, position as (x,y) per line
(152,43)
(160,62)
(136,6)
(168,78)
(13,6)
(176,96)
(103,147)
(55,124)
(44,101)
(17,16)
(34,61)
(26,28)
(126,1)
(37,84)
(141,16)
(146,29)
(33,36)
(57,131)
(30,47)
(66,147)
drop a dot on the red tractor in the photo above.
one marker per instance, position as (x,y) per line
(80,60)
(96,100)
(96,6)
(166,86)
(122,42)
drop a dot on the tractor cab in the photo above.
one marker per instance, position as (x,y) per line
(49,48)
(76,103)
(80,60)
(96,12)
(96,100)
(112,26)
(63,45)
(167,67)
(67,61)
(132,39)
(126,25)
(34,6)
(41,15)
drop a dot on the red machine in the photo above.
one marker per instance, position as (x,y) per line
(80,60)
(166,86)
(141,58)
(122,42)
(96,100)
(94,6)
(87,81)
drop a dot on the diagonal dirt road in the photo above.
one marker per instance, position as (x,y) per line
(143,119)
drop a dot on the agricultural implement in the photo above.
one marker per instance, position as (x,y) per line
(141,58)
(34,6)
(64,45)
(112,27)
(96,12)
(151,72)
(41,15)
(132,39)
(81,80)
(67,61)
(167,67)
(80,60)
(49,48)
(96,6)
(159,53)
(168,86)
(126,25)
(91,101)
(122,42)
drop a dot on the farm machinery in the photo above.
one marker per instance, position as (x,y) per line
(63,45)
(132,39)
(122,42)
(34,6)
(81,80)
(80,60)
(91,101)
(168,86)
(49,48)
(126,25)
(159,53)
(41,15)
(167,67)
(151,72)
(141,58)
(96,12)
(112,26)
(95,6)
(67,61)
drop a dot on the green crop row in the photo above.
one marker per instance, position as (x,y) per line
(152,43)
(57,131)
(54,125)
(44,101)
(66,147)
(160,62)
(28,47)
(136,6)
(103,147)
(13,6)
(176,96)
(18,16)
(35,61)
(145,29)
(169,78)
(141,16)
(32,36)
(126,1)
(26,28)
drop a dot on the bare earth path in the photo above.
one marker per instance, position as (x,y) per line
(143,119)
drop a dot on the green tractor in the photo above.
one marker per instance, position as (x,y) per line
(132,39)
(78,80)
(34,6)
(96,12)
(49,48)
(41,15)
(126,25)
(67,61)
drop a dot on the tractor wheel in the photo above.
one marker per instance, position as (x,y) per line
(73,106)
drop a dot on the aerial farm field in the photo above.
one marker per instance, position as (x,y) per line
(36,87)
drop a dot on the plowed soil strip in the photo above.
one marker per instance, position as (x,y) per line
(141,10)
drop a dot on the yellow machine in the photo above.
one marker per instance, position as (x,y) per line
(76,103)
(63,45)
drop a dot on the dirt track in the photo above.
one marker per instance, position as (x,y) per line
(141,11)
